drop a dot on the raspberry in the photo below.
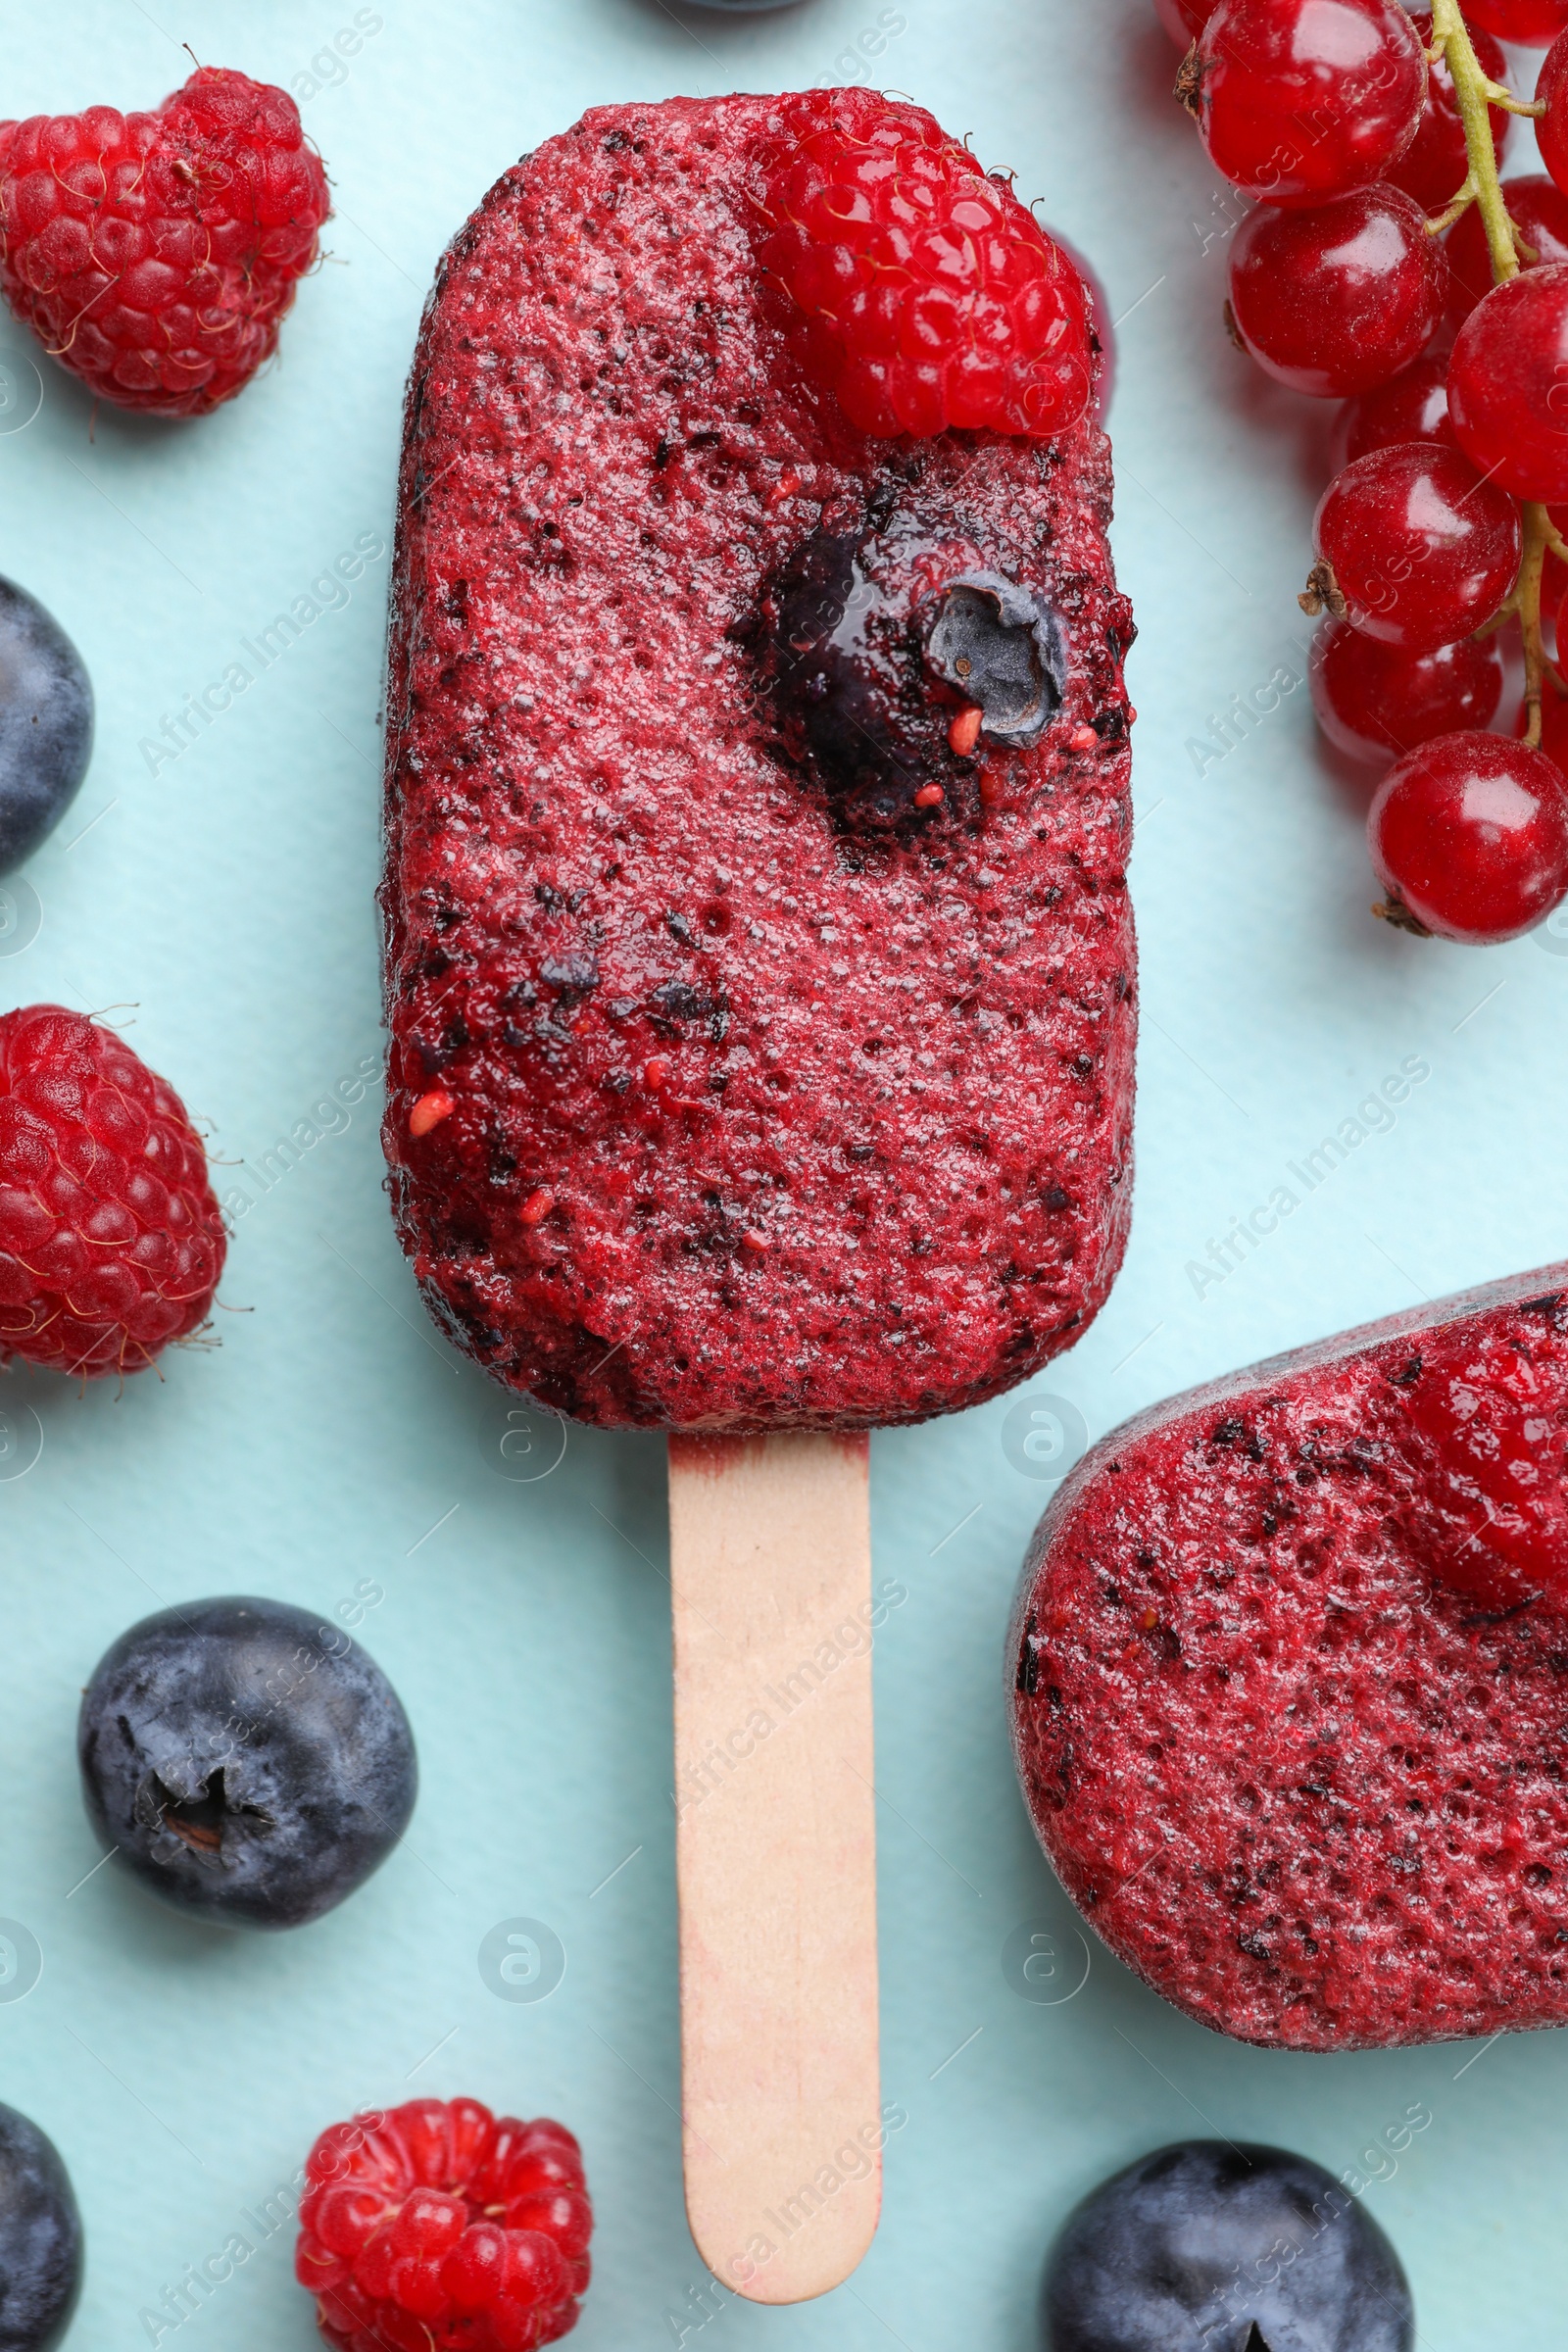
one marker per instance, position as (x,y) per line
(1488,1513)
(444,2229)
(928,296)
(111,1240)
(154,254)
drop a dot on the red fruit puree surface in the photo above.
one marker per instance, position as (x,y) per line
(741,1103)
(1290,1660)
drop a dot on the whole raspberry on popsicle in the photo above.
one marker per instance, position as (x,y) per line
(928,295)
(442,2228)
(154,255)
(111,1239)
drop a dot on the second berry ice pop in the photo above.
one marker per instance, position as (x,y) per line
(1287,1663)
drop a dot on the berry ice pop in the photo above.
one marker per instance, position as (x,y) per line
(760,967)
(760,963)
(1287,1665)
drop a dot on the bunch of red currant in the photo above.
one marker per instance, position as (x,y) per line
(1386,265)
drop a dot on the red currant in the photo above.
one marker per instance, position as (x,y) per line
(1184,20)
(1422,550)
(1470,833)
(1508,385)
(1375,701)
(1540,213)
(1300,100)
(1433,166)
(1532,22)
(1412,405)
(1553,725)
(1552,131)
(1335,301)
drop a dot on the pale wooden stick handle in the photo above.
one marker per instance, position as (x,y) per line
(771,1568)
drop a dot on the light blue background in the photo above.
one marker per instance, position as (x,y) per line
(331,1438)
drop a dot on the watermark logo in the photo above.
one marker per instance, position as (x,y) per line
(332,1113)
(330,67)
(1229,728)
(20,1960)
(853,64)
(1551,936)
(21,387)
(522,1960)
(1043,1436)
(20,916)
(331,591)
(20,1441)
(1044,1963)
(528,1445)
(1374,1115)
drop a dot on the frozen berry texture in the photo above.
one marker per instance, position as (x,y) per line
(1288,1713)
(111,1240)
(41,2240)
(154,255)
(1208,2246)
(250,1765)
(925,292)
(746,1070)
(442,2228)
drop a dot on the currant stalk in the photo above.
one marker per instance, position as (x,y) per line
(1475,92)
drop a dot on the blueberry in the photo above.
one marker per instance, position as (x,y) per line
(41,2240)
(837,666)
(873,640)
(1002,646)
(251,1764)
(45,723)
(1204,2247)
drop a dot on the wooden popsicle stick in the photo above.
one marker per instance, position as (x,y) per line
(770,1559)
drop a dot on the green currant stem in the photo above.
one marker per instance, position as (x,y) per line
(1498,96)
(1450,39)
(1450,213)
(1475,92)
